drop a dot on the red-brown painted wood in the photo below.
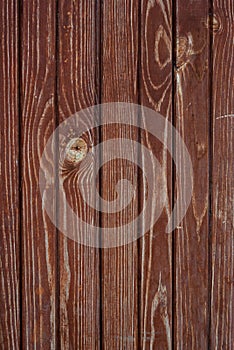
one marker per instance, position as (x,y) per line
(163,291)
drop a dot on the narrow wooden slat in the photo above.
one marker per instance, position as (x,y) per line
(38,121)
(79,264)
(119,83)
(9,148)
(222,298)
(155,255)
(192,121)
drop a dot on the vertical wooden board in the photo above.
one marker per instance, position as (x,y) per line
(222,302)
(119,84)
(155,255)
(9,238)
(78,89)
(192,121)
(37,123)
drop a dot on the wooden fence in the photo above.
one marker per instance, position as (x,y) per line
(162,291)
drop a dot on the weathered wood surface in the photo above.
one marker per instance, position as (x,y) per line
(79,282)
(155,248)
(222,228)
(119,265)
(192,115)
(39,239)
(163,291)
(9,170)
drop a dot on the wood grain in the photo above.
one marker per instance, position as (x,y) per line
(155,248)
(39,317)
(192,121)
(78,89)
(119,265)
(9,170)
(163,291)
(222,258)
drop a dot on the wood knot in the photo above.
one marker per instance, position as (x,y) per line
(76,150)
(213,23)
(201,149)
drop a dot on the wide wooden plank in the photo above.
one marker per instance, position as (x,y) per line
(119,83)
(9,170)
(78,88)
(39,318)
(222,258)
(192,95)
(155,248)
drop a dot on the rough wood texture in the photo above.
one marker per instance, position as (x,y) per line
(38,121)
(164,291)
(222,258)
(9,149)
(119,265)
(155,249)
(79,265)
(192,94)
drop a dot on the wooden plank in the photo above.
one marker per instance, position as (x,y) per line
(38,121)
(9,238)
(192,121)
(78,89)
(222,302)
(155,249)
(119,83)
